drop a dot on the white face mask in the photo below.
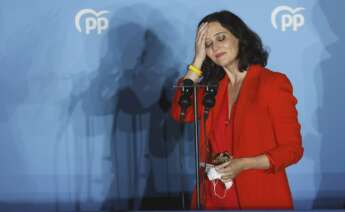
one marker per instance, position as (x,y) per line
(214,176)
(227,187)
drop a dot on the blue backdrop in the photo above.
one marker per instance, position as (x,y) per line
(85,90)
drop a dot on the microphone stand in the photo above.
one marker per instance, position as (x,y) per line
(209,102)
(196,139)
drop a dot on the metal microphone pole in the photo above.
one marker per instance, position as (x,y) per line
(196,140)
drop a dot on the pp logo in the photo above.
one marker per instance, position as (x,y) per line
(93,21)
(289,18)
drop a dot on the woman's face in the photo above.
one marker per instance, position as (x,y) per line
(221,45)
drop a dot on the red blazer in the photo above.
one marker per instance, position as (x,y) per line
(265,123)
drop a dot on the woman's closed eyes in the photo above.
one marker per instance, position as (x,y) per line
(219,38)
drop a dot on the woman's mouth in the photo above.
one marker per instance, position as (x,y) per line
(218,55)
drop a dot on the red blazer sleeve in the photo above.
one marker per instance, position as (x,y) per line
(176,109)
(287,130)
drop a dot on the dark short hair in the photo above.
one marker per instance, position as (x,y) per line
(251,50)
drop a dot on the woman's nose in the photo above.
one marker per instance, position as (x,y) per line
(215,46)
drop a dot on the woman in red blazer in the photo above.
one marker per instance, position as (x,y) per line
(254,118)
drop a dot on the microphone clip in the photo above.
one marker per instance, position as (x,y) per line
(209,99)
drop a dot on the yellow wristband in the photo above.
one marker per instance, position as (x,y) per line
(195,70)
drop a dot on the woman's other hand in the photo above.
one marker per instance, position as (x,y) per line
(232,168)
(229,170)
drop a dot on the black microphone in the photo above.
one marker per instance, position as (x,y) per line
(210,96)
(185,100)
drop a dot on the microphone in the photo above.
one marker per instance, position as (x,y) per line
(209,99)
(185,100)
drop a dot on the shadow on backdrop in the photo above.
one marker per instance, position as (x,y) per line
(331,194)
(15,79)
(144,137)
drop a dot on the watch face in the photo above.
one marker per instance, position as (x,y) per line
(221,158)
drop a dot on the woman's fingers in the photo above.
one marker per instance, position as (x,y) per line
(202,38)
(220,167)
(200,50)
(202,30)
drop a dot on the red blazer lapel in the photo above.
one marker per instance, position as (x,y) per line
(247,95)
(220,98)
